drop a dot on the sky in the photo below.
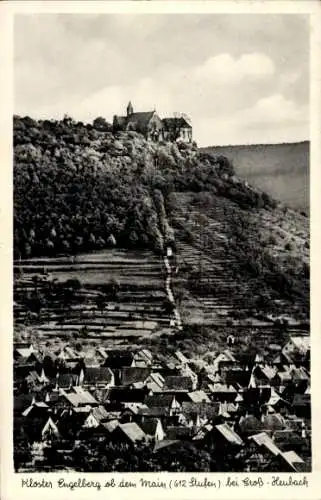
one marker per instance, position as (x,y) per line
(241,78)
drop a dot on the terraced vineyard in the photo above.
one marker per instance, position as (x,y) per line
(222,296)
(137,311)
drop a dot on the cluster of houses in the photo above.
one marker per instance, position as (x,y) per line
(238,402)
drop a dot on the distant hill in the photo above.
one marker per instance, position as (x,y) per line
(281,170)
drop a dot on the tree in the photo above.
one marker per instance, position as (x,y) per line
(101,124)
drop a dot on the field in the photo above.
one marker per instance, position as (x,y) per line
(135,310)
(281,170)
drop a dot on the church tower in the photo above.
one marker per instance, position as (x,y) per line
(130,109)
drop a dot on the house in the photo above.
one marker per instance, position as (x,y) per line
(132,412)
(78,397)
(130,375)
(110,426)
(118,358)
(204,411)
(97,377)
(177,432)
(177,129)
(297,344)
(265,443)
(125,394)
(142,359)
(37,381)
(129,433)
(222,392)
(249,425)
(288,439)
(166,401)
(50,430)
(294,461)
(224,360)
(155,382)
(96,416)
(36,409)
(198,397)
(263,375)
(66,380)
(273,422)
(228,435)
(178,384)
(153,427)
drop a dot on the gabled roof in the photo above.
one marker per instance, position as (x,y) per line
(229,434)
(139,120)
(144,355)
(173,123)
(204,409)
(132,374)
(198,397)
(132,431)
(238,376)
(165,443)
(250,424)
(178,432)
(79,397)
(125,394)
(178,383)
(154,411)
(302,343)
(149,426)
(66,380)
(203,432)
(156,378)
(263,440)
(292,457)
(228,408)
(99,413)
(118,358)
(273,422)
(267,371)
(25,351)
(111,425)
(288,437)
(135,407)
(159,399)
(225,356)
(38,405)
(100,374)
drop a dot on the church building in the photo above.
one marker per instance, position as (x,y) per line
(152,127)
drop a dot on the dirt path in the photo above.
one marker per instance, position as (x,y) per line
(168,286)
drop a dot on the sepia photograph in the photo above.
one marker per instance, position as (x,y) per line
(161,244)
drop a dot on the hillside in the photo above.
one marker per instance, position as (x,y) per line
(116,203)
(282,170)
